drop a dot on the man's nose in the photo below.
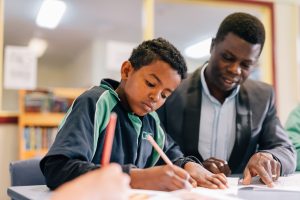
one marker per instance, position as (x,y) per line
(235,68)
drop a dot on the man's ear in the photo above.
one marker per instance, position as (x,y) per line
(126,69)
(213,41)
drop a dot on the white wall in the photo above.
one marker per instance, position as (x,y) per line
(287,68)
(8,153)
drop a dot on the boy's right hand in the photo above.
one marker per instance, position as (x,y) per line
(165,178)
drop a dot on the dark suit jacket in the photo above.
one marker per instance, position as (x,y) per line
(257,126)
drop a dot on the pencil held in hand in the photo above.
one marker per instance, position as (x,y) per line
(159,150)
(108,140)
(166,159)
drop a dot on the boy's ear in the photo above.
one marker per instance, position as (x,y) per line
(126,69)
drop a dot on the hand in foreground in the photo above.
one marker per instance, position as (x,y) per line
(205,178)
(165,178)
(262,164)
(96,185)
(217,166)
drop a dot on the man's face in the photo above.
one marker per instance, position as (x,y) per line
(147,88)
(231,62)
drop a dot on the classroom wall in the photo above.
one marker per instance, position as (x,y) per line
(287,68)
(8,153)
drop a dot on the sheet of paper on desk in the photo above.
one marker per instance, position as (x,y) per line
(229,193)
(284,183)
(194,194)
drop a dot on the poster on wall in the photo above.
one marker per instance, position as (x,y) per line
(20,68)
(116,53)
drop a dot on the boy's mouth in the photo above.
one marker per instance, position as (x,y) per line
(147,107)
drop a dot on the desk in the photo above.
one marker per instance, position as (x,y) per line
(41,192)
(35,192)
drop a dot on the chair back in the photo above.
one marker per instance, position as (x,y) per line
(26,172)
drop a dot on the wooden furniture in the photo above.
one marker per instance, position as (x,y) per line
(41,112)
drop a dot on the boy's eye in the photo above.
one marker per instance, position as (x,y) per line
(165,95)
(150,84)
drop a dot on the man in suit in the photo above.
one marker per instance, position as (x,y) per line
(225,120)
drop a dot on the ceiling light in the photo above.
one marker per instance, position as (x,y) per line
(38,46)
(50,13)
(198,50)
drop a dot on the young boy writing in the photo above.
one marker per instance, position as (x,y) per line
(153,71)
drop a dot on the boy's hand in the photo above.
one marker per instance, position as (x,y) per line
(262,164)
(217,166)
(165,178)
(205,178)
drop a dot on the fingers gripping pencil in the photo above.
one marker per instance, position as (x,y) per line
(108,140)
(165,158)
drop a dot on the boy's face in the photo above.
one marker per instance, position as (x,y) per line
(147,88)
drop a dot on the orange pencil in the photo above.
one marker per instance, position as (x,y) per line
(108,140)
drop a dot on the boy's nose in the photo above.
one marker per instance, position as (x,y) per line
(154,97)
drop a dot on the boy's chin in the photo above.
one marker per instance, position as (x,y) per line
(140,113)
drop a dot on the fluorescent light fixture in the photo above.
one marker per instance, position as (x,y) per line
(50,13)
(38,46)
(198,50)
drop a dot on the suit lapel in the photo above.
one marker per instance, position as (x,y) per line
(243,130)
(192,115)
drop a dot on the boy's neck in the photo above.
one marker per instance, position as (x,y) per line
(122,96)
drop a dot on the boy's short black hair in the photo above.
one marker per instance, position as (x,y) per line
(244,25)
(158,49)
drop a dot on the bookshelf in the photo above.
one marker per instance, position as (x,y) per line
(41,111)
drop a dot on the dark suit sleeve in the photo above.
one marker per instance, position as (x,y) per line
(275,140)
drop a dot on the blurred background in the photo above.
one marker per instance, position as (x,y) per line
(94,37)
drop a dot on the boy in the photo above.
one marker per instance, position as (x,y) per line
(153,71)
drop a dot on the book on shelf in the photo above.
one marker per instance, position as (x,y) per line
(43,101)
(37,138)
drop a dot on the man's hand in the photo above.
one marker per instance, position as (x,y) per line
(262,164)
(217,166)
(205,178)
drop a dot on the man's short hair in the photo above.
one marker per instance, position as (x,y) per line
(158,49)
(246,26)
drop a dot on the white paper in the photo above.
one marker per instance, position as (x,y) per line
(284,183)
(289,183)
(20,66)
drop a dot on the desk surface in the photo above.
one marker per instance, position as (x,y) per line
(41,192)
(35,192)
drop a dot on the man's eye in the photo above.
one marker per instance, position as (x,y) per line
(149,84)
(245,66)
(227,57)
